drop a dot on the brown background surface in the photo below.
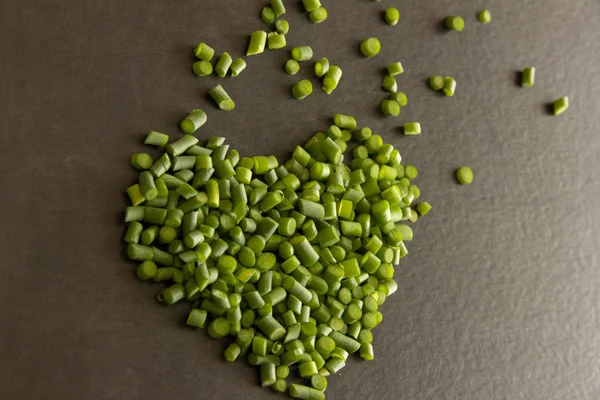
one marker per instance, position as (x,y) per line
(499,295)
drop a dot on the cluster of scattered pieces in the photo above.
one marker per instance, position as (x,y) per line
(316,12)
(528,80)
(293,261)
(224,64)
(331,74)
(447,85)
(457,23)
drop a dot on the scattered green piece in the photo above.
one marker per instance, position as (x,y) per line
(395,68)
(449,86)
(204,52)
(302,89)
(392,16)
(304,392)
(400,98)
(344,121)
(370,47)
(156,139)
(389,84)
(561,105)
(318,15)
(202,68)
(412,128)
(528,77)
(302,53)
(267,15)
(310,5)
(390,108)
(321,67)
(332,79)
(141,161)
(237,67)
(292,67)
(276,41)
(484,16)
(221,98)
(258,41)
(423,208)
(455,23)
(464,175)
(223,65)
(436,82)
(278,8)
(282,26)
(193,121)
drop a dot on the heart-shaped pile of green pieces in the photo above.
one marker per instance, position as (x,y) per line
(292,260)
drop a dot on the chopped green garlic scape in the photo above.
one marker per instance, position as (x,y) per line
(292,261)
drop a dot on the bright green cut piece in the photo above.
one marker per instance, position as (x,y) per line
(193,121)
(302,89)
(484,16)
(449,86)
(392,16)
(370,47)
(412,128)
(528,77)
(319,15)
(302,53)
(455,23)
(561,105)
(292,67)
(436,82)
(390,108)
(400,98)
(464,175)
(221,98)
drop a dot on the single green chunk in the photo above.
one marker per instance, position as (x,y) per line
(302,53)
(423,209)
(237,67)
(395,68)
(202,68)
(267,15)
(389,84)
(455,23)
(449,86)
(484,16)
(276,41)
(204,52)
(392,16)
(370,47)
(436,82)
(302,89)
(318,15)
(282,26)
(221,98)
(412,128)
(464,175)
(223,65)
(193,121)
(561,105)
(528,77)
(390,108)
(258,41)
(400,98)
(278,8)
(310,5)
(292,67)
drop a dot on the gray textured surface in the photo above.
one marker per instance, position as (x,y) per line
(499,295)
